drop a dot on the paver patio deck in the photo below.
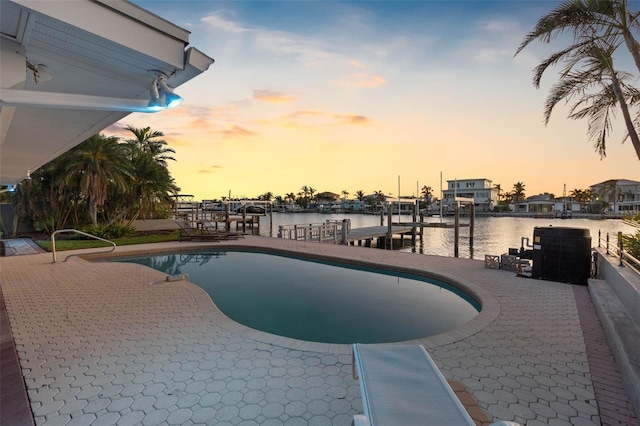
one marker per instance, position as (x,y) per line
(107,343)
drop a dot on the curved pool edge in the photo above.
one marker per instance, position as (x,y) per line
(490,307)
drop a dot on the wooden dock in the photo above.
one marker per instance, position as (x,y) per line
(432,224)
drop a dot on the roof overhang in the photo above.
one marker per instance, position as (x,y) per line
(101,54)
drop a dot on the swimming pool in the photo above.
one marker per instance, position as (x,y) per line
(320,301)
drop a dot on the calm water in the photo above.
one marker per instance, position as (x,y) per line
(320,302)
(492,235)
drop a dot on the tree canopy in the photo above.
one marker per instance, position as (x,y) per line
(589,78)
(102,181)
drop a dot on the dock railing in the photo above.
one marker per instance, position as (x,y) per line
(330,231)
(614,246)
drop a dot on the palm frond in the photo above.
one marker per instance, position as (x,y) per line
(563,18)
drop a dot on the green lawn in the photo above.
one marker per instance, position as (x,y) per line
(82,244)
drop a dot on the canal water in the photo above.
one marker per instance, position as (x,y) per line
(492,235)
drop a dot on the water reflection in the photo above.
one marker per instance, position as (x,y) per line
(321,301)
(492,235)
(174,264)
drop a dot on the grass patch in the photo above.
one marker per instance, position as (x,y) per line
(62,245)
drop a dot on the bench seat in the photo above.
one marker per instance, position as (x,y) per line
(401,385)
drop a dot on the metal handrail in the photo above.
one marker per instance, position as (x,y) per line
(616,248)
(59,231)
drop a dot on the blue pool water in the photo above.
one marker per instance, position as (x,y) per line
(320,302)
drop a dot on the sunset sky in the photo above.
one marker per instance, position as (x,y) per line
(350,95)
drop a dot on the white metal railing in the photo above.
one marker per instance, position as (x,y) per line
(331,230)
(60,231)
(613,244)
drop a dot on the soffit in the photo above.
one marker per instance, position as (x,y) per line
(81,62)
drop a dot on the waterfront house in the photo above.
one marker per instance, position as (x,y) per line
(484,195)
(546,203)
(617,195)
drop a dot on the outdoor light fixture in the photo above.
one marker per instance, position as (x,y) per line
(162,96)
(9,188)
(40,72)
(155,103)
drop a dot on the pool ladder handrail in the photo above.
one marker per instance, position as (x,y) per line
(59,231)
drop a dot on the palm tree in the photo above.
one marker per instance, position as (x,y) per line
(290,197)
(518,192)
(508,197)
(150,187)
(267,196)
(345,195)
(96,164)
(146,141)
(380,197)
(592,21)
(576,194)
(426,192)
(45,199)
(600,89)
(498,188)
(599,28)
(360,195)
(609,192)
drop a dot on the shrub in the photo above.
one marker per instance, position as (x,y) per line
(109,232)
(631,242)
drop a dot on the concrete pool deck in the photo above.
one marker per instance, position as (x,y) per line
(111,343)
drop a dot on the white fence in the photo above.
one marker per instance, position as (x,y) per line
(334,231)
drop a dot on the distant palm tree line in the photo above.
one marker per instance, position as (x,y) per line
(103,180)
(308,195)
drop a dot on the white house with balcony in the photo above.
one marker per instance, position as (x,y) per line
(621,195)
(484,195)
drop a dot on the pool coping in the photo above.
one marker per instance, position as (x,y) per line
(490,307)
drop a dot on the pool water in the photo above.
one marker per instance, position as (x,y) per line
(318,301)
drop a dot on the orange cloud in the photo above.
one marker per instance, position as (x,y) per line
(352,119)
(118,131)
(235,131)
(309,118)
(272,97)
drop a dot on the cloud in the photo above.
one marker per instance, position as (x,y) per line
(118,130)
(209,170)
(235,131)
(352,119)
(264,45)
(310,119)
(218,22)
(500,26)
(488,56)
(360,80)
(272,96)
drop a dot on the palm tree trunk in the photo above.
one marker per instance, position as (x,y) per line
(628,121)
(93,212)
(633,47)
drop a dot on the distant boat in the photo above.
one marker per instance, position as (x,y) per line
(251,210)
